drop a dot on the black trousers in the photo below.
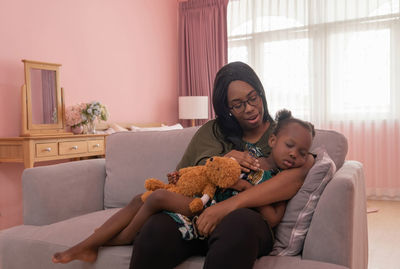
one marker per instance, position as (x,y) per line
(240,238)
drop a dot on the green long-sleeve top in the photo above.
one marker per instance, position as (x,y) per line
(209,141)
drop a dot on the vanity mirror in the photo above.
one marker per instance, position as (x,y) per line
(43,136)
(42,100)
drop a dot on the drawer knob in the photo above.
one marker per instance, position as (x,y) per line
(47,149)
(97,145)
(74,147)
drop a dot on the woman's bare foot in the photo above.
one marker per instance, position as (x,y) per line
(76,253)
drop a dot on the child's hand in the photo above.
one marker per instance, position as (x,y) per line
(173,177)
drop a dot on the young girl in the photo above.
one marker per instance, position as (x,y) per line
(289,144)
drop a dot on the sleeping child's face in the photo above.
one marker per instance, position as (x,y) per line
(290,146)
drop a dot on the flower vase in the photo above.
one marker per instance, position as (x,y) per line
(90,128)
(77,129)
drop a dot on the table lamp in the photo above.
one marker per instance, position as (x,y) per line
(193,107)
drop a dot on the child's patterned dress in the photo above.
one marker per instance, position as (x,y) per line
(186,224)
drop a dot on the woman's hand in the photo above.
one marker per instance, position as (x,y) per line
(211,217)
(246,161)
(173,177)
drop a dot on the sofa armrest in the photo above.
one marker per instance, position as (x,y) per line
(338,231)
(58,192)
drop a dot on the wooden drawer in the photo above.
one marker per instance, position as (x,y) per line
(95,145)
(45,150)
(32,149)
(74,147)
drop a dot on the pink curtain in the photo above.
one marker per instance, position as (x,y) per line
(202,47)
(376,144)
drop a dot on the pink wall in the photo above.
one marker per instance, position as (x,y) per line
(122,53)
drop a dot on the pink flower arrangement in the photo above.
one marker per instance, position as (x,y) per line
(73,115)
(85,114)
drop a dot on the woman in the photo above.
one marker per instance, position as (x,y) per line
(233,229)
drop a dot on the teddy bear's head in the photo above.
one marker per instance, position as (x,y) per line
(223,171)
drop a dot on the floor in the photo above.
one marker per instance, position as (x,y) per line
(384,234)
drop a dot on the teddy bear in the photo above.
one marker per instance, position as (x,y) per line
(202,180)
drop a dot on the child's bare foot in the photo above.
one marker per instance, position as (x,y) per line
(75,253)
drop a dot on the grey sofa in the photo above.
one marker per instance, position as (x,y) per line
(64,203)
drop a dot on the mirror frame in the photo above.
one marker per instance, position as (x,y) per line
(28,128)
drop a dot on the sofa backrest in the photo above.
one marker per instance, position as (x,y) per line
(132,157)
(335,144)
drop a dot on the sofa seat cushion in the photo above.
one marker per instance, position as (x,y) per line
(37,244)
(284,262)
(269,262)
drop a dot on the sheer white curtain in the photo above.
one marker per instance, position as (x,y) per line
(335,63)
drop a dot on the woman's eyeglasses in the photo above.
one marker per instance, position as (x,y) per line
(240,106)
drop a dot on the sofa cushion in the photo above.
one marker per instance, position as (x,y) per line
(163,127)
(269,262)
(45,201)
(334,143)
(37,244)
(132,157)
(292,230)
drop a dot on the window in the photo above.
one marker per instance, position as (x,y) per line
(318,62)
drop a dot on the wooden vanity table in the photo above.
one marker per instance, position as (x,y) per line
(43,135)
(47,148)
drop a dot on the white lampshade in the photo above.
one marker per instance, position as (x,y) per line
(193,107)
